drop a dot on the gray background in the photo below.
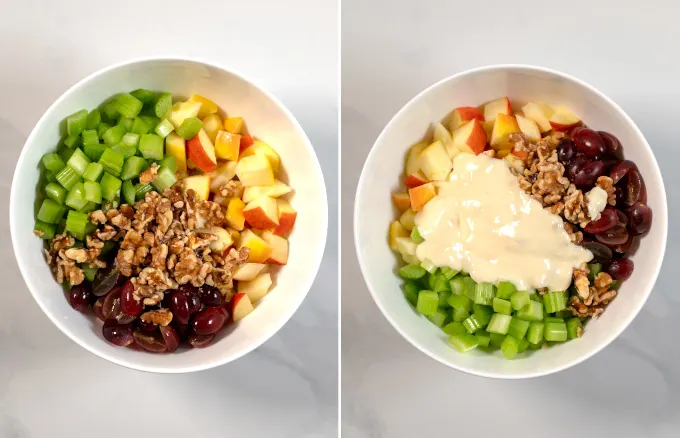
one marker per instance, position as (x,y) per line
(49,386)
(392,49)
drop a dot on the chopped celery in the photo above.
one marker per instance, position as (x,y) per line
(523,345)
(416,237)
(472,324)
(128,192)
(535,332)
(112,161)
(139,126)
(127,105)
(555,332)
(90,206)
(93,192)
(133,167)
(447,272)
(429,266)
(51,176)
(484,293)
(505,290)
(89,273)
(53,162)
(533,311)
(519,299)
(55,192)
(427,304)
(67,177)
(125,150)
(114,135)
(169,162)
(536,297)
(109,112)
(94,118)
(574,328)
(102,128)
(141,190)
(130,139)
(76,123)
(454,328)
(564,314)
(483,338)
(151,146)
(470,287)
(44,230)
(78,161)
(151,121)
(460,314)
(408,272)
(457,285)
(90,136)
(554,301)
(109,246)
(76,197)
(78,224)
(162,105)
(502,306)
(65,153)
(510,347)
(126,123)
(499,324)
(460,302)
(439,318)
(482,313)
(164,128)
(496,339)
(439,283)
(518,328)
(553,319)
(411,289)
(143,95)
(593,270)
(463,343)
(443,297)
(616,284)
(110,186)
(50,212)
(189,128)
(94,151)
(93,171)
(72,141)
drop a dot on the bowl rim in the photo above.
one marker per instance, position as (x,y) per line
(306,283)
(661,216)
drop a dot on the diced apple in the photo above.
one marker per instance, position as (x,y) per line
(407,219)
(410,259)
(255,170)
(200,184)
(248,271)
(259,249)
(471,136)
(421,195)
(435,162)
(401,200)
(465,114)
(495,107)
(246,142)
(212,124)
(415,180)
(207,105)
(397,230)
(528,128)
(262,148)
(539,113)
(234,125)
(522,155)
(224,239)
(563,119)
(201,152)
(440,133)
(279,255)
(287,216)
(488,127)
(412,160)
(175,146)
(234,215)
(241,306)
(502,128)
(262,213)
(406,246)
(183,110)
(227,145)
(273,191)
(257,288)
(223,174)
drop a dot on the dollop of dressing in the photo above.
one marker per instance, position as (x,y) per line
(482,223)
(597,201)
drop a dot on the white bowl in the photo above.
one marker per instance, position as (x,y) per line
(267,118)
(382,175)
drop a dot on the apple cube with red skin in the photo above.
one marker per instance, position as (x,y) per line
(262,213)
(495,107)
(248,271)
(464,114)
(415,180)
(470,137)
(201,152)
(502,128)
(563,119)
(401,200)
(539,113)
(287,216)
(421,195)
(246,142)
(273,191)
(241,306)
(259,249)
(279,255)
(257,288)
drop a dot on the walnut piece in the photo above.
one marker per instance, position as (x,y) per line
(149,174)
(607,184)
(161,317)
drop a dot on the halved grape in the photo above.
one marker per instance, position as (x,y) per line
(616,235)
(608,218)
(640,217)
(623,219)
(210,296)
(589,173)
(566,150)
(575,166)
(150,343)
(109,303)
(178,303)
(104,280)
(620,170)
(200,341)
(635,187)
(612,145)
(146,327)
(97,309)
(621,269)
(208,321)
(170,338)
(128,304)
(80,296)
(589,142)
(117,333)
(601,252)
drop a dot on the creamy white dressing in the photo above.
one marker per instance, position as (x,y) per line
(482,223)
(597,201)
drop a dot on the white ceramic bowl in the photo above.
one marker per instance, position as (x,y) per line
(382,175)
(268,119)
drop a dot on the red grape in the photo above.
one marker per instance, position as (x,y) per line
(80,296)
(616,235)
(612,145)
(623,219)
(179,306)
(589,142)
(620,269)
(575,166)
(128,304)
(170,338)
(210,296)
(146,327)
(208,321)
(97,309)
(151,343)
(116,333)
(640,219)
(574,130)
(109,303)
(620,170)
(586,177)
(104,280)
(601,253)
(608,218)
(566,150)
(627,247)
(635,187)
(200,341)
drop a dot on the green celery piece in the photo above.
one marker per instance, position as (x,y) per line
(411,272)
(496,339)
(76,123)
(505,290)
(112,161)
(125,150)
(519,299)
(141,190)
(110,186)
(555,332)
(483,338)
(108,112)
(72,141)
(151,147)
(470,287)
(443,298)
(50,212)
(127,105)
(102,128)
(151,121)
(75,198)
(169,162)
(94,118)
(447,272)
(554,301)
(463,343)
(78,161)
(90,136)
(55,192)
(510,347)
(429,266)
(523,345)
(518,328)
(162,104)
(131,139)
(416,237)
(93,192)
(133,167)
(502,306)
(460,302)
(472,324)
(454,328)
(535,332)
(482,313)
(533,311)
(126,123)
(165,178)
(484,293)
(616,284)
(457,285)
(128,192)
(65,153)
(536,297)
(439,318)
(139,126)
(90,206)
(114,135)
(78,224)
(440,283)
(50,176)
(93,171)
(574,328)
(499,324)
(67,177)
(145,96)
(553,319)
(460,314)
(593,270)
(89,273)
(44,230)
(109,246)
(164,128)
(53,162)
(189,128)
(411,290)
(427,304)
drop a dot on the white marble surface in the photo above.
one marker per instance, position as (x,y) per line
(392,49)
(49,386)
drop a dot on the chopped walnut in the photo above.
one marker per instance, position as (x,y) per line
(149,174)
(575,207)
(607,184)
(231,189)
(575,236)
(581,281)
(77,254)
(63,258)
(161,317)
(98,217)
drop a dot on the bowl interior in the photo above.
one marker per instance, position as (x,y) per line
(266,119)
(382,175)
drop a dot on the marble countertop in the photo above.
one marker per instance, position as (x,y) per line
(392,49)
(49,386)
